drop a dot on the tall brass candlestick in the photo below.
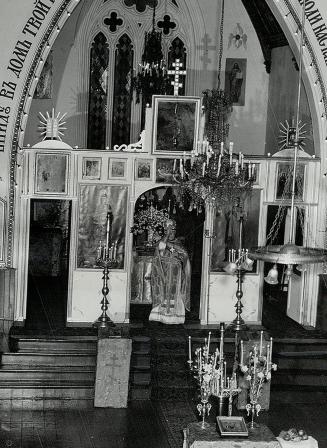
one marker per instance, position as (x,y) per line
(106,259)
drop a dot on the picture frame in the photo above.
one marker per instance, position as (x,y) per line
(225,227)
(164,171)
(284,179)
(117,169)
(51,173)
(143,169)
(91,168)
(256,173)
(93,205)
(175,124)
(232,426)
(235,80)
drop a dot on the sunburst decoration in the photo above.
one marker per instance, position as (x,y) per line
(288,135)
(52,126)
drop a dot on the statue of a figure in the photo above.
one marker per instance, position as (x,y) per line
(170,279)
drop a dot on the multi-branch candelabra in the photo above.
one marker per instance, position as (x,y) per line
(210,370)
(256,367)
(239,263)
(218,177)
(107,259)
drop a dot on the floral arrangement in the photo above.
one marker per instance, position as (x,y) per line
(150,219)
(257,371)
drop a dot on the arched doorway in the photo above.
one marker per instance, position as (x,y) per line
(189,233)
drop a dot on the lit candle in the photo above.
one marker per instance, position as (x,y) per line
(203,168)
(255,360)
(249,170)
(236,167)
(221,351)
(242,353)
(261,338)
(225,373)
(209,336)
(253,170)
(108,230)
(242,161)
(189,349)
(271,346)
(268,354)
(221,147)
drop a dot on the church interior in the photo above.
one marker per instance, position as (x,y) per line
(163,245)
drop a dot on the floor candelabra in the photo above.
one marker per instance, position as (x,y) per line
(106,258)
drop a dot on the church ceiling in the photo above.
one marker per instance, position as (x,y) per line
(267,28)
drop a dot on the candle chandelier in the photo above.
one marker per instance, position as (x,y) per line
(290,254)
(152,77)
(218,178)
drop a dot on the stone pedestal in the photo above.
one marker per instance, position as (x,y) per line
(112,374)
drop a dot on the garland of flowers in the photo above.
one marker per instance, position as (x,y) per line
(217,106)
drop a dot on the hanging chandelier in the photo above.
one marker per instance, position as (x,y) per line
(216,178)
(290,254)
(152,77)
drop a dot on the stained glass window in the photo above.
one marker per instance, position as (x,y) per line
(121,114)
(99,60)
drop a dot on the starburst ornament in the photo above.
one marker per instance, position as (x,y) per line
(287,136)
(51,126)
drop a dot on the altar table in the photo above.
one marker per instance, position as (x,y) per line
(195,437)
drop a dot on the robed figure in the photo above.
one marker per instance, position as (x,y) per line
(170,279)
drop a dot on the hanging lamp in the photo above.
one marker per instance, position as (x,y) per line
(152,77)
(291,254)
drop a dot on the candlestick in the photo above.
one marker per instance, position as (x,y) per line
(209,336)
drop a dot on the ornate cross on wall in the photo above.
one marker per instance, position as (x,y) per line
(177,72)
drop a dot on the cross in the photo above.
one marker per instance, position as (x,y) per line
(114,366)
(177,73)
(113,22)
(206,47)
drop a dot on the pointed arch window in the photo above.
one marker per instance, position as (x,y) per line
(177,50)
(98,92)
(121,113)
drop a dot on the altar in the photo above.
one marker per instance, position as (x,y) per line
(195,437)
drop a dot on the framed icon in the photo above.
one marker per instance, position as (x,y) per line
(176,124)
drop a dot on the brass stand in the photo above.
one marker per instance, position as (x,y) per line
(106,258)
(238,323)
(104,320)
